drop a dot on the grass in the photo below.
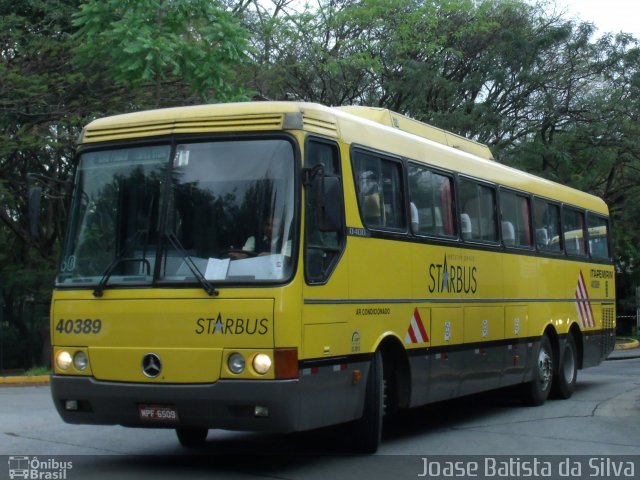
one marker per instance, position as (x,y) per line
(629,337)
(37,371)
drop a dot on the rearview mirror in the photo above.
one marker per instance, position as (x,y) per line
(326,197)
(330,205)
(35,199)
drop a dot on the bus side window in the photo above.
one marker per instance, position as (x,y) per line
(478,202)
(515,210)
(431,202)
(379,189)
(598,237)
(546,223)
(370,198)
(574,237)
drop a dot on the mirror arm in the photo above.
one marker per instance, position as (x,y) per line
(309,174)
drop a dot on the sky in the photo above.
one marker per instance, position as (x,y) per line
(607,15)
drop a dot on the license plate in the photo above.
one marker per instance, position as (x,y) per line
(158,413)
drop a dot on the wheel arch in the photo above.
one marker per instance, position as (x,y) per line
(397,372)
(551,332)
(579,342)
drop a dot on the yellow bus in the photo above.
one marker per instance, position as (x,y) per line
(284,266)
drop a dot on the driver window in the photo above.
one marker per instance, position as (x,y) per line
(322,249)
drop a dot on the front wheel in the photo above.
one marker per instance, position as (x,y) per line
(192,436)
(537,390)
(564,383)
(368,429)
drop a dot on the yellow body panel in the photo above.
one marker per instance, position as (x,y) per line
(483,324)
(516,321)
(180,365)
(447,326)
(326,340)
(189,334)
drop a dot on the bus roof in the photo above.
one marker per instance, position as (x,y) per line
(411,125)
(376,128)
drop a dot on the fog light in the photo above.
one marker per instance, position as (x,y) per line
(63,360)
(71,405)
(260,411)
(80,361)
(236,363)
(261,363)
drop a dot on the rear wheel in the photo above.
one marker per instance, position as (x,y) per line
(192,436)
(537,390)
(564,382)
(368,429)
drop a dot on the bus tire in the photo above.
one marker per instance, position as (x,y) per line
(368,429)
(537,390)
(564,382)
(192,436)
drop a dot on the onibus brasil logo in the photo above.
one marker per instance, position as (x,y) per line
(34,468)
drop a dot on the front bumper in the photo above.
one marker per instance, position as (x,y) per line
(226,404)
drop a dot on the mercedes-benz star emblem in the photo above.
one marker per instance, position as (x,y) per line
(151,365)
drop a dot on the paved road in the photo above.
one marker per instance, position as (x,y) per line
(602,418)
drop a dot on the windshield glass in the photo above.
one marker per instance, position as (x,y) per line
(232,211)
(228,215)
(114,215)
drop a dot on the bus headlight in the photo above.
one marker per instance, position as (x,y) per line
(236,363)
(261,363)
(63,360)
(80,361)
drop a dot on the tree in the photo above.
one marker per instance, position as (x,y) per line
(162,42)
(312,55)
(39,109)
(51,85)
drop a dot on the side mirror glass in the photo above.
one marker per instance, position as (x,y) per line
(35,199)
(330,205)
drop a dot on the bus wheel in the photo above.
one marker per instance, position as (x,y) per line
(564,383)
(537,390)
(368,429)
(192,436)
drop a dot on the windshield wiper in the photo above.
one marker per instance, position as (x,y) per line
(99,290)
(175,243)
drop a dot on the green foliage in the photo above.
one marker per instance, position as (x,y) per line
(38,371)
(140,42)
(13,348)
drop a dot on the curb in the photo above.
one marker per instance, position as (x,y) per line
(24,380)
(627,345)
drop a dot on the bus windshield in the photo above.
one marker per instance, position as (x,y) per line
(224,212)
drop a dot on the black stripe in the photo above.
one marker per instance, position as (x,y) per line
(330,361)
(462,347)
(358,301)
